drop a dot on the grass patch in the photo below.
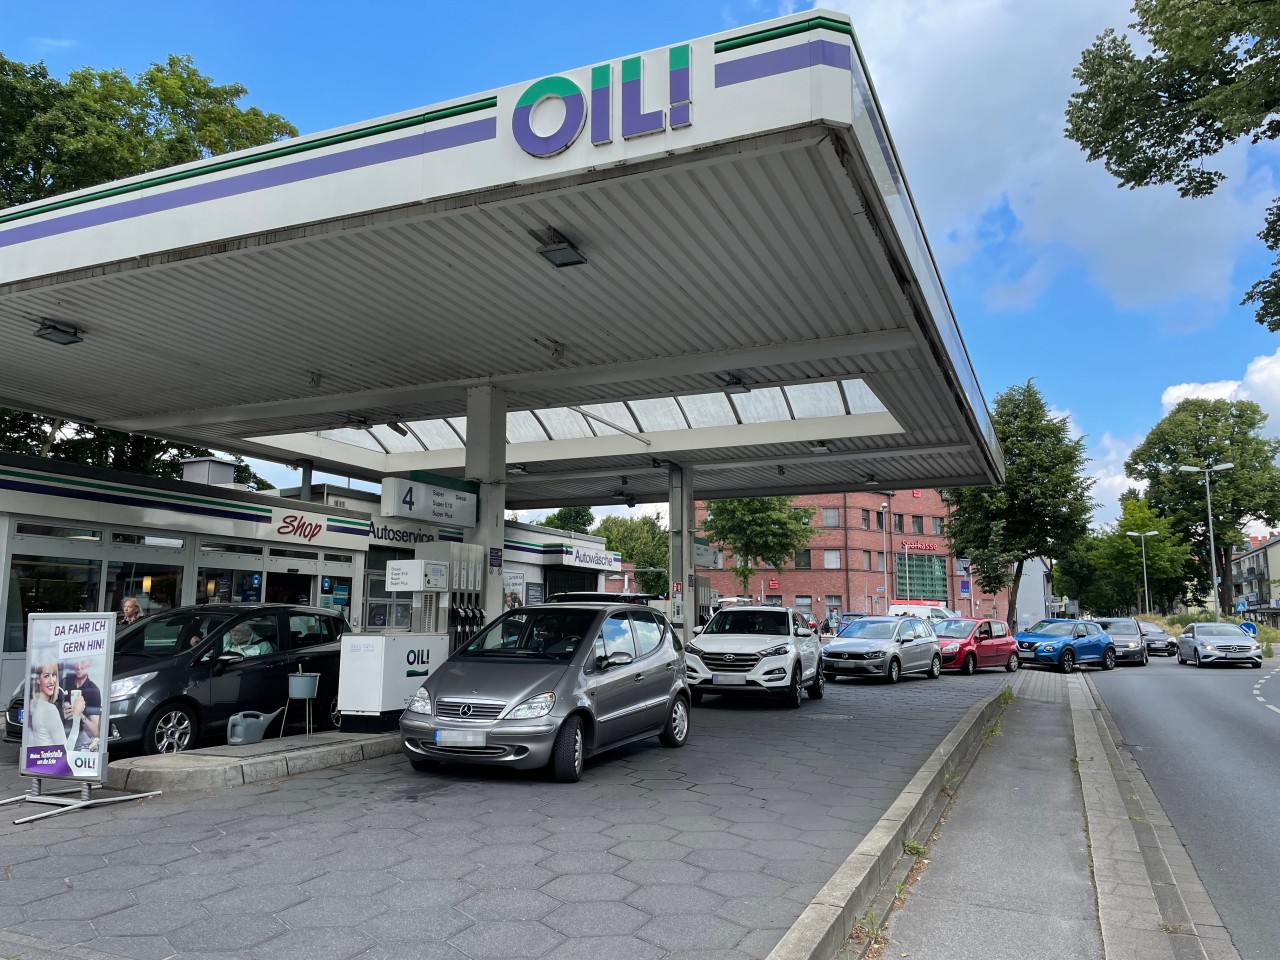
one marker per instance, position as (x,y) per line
(1168,927)
(993,731)
(1006,695)
(914,848)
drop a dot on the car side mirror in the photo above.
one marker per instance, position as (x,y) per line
(618,659)
(697,630)
(804,632)
(225,660)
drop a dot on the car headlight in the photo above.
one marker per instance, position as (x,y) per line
(1048,648)
(1209,647)
(693,648)
(126,687)
(421,702)
(1255,649)
(1132,645)
(781,650)
(534,707)
(951,647)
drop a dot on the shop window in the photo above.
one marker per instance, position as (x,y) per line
(803,561)
(831,559)
(339,558)
(917,524)
(156,586)
(831,516)
(59,533)
(378,557)
(149,540)
(47,585)
(220,585)
(937,526)
(834,603)
(921,576)
(221,546)
(294,554)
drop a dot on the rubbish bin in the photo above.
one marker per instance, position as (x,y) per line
(303,686)
(249,726)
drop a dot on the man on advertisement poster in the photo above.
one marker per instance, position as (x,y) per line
(61,732)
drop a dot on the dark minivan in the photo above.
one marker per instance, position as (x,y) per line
(181,674)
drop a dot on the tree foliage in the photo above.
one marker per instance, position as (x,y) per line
(1212,78)
(643,542)
(766,530)
(1104,571)
(1041,510)
(97,126)
(1200,432)
(570,519)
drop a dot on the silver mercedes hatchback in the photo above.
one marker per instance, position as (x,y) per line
(551,685)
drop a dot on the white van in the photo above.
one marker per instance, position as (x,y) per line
(926,611)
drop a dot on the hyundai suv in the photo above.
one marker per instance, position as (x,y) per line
(755,650)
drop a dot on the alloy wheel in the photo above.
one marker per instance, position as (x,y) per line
(173,732)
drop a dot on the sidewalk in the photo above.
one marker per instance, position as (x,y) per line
(1038,858)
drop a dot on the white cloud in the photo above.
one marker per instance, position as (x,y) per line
(1106,457)
(1260,383)
(976,103)
(50,44)
(1073,428)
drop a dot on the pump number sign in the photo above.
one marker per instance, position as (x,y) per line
(428,502)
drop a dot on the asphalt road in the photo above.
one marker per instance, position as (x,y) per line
(1211,751)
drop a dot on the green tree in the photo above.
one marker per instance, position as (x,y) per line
(643,542)
(1080,574)
(98,126)
(571,519)
(1200,432)
(1041,510)
(1211,78)
(766,530)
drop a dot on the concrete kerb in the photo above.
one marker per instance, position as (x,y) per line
(1128,914)
(201,770)
(825,925)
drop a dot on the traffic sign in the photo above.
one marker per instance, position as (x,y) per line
(1241,606)
(1250,628)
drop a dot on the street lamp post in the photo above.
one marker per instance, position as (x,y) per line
(1142,538)
(1213,557)
(884,528)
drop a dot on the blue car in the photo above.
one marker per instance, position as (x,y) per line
(1065,643)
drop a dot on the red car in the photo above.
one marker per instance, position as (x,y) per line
(967,644)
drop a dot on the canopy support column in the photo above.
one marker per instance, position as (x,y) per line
(486,464)
(683,522)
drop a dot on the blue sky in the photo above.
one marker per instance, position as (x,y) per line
(1118,302)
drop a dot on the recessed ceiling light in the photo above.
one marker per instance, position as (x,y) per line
(58,333)
(559,252)
(819,447)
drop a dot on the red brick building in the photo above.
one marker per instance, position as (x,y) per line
(845,567)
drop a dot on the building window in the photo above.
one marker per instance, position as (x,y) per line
(879,520)
(773,600)
(917,524)
(920,576)
(880,561)
(834,604)
(866,519)
(831,516)
(60,533)
(218,546)
(804,604)
(155,586)
(294,554)
(147,540)
(803,561)
(339,558)
(47,585)
(866,559)
(937,526)
(897,523)
(831,559)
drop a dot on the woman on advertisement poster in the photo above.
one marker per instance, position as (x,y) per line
(44,718)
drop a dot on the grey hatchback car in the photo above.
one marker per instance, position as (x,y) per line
(550,685)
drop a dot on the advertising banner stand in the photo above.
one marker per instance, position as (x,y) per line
(65,717)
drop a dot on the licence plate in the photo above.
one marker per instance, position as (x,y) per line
(728,680)
(461,738)
(1026,655)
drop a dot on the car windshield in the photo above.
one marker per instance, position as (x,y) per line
(1218,630)
(168,633)
(1122,628)
(1053,628)
(955,629)
(868,630)
(772,623)
(532,635)
(1152,627)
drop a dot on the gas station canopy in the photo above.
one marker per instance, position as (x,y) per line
(704,256)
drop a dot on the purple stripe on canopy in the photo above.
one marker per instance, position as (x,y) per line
(770,64)
(310,168)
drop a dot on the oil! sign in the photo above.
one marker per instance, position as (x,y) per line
(636,121)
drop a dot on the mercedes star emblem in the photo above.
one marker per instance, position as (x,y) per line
(464,710)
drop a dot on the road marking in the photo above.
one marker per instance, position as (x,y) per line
(1275,708)
(1261,699)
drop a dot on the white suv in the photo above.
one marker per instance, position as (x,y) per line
(755,650)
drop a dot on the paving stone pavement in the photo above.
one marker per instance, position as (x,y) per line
(711,851)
